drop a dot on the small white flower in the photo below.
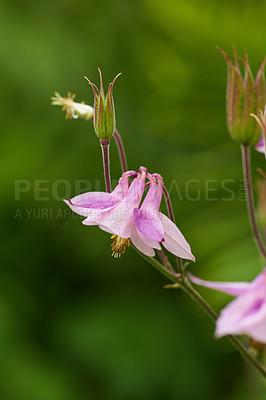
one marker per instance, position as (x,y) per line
(73,109)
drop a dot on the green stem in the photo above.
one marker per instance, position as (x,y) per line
(106,163)
(172,218)
(121,151)
(250,200)
(165,261)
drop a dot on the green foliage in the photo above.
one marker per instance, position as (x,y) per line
(75,323)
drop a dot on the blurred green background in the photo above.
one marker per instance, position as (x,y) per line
(76,324)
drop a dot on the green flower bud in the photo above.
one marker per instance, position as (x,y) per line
(244,97)
(104,110)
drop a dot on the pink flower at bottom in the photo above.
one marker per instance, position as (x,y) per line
(247,313)
(120,214)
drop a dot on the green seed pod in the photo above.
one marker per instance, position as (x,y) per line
(104,111)
(244,97)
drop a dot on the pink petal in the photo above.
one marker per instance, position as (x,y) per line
(99,200)
(140,244)
(260,281)
(153,198)
(147,219)
(103,228)
(245,315)
(255,315)
(121,189)
(149,242)
(258,332)
(174,241)
(92,212)
(91,220)
(92,204)
(119,219)
(149,224)
(233,288)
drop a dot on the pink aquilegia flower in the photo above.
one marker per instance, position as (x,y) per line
(247,313)
(120,214)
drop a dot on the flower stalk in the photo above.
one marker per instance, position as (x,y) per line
(106,163)
(245,150)
(172,218)
(104,109)
(121,151)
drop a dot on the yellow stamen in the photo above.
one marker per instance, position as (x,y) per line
(119,245)
(65,102)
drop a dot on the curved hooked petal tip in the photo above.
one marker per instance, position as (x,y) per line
(111,86)
(154,177)
(158,177)
(131,173)
(94,87)
(143,170)
(101,81)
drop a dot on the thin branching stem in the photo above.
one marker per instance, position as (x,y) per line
(165,261)
(250,200)
(121,151)
(106,163)
(172,218)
